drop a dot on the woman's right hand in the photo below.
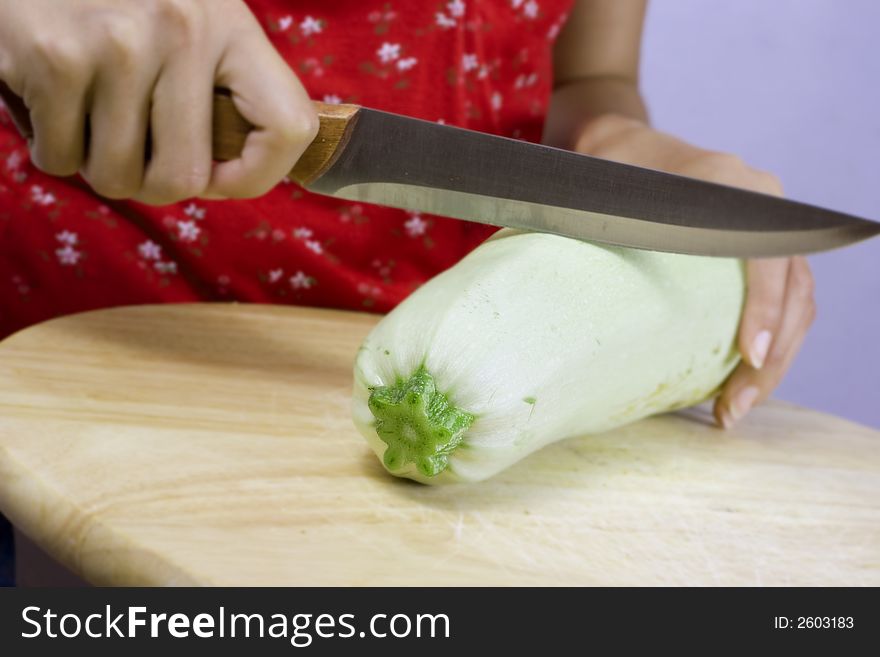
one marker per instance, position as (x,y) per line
(127,69)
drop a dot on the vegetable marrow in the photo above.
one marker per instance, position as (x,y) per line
(533,338)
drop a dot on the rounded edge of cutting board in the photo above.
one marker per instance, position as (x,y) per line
(15,491)
(19,485)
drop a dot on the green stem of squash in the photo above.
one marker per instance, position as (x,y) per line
(418,423)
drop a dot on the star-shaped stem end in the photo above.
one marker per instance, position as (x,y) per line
(417,423)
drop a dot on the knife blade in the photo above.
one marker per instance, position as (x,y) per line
(372,156)
(367,155)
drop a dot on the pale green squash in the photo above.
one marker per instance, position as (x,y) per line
(533,338)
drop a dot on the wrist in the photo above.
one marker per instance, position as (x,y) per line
(583,106)
(593,132)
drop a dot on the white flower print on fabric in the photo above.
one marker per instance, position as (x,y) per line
(522,80)
(187,231)
(300,281)
(382,16)
(285,22)
(41,197)
(415,226)
(388,52)
(310,26)
(444,21)
(330,99)
(516,4)
(384,269)
(149,250)
(67,255)
(14,160)
(456,8)
(165,267)
(194,211)
(21,286)
(312,66)
(530,9)
(372,292)
(305,234)
(275,275)
(496,101)
(469,62)
(67,237)
(354,213)
(406,63)
(556,27)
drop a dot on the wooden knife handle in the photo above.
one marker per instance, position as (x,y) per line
(230,130)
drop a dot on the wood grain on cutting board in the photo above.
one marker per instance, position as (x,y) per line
(212,444)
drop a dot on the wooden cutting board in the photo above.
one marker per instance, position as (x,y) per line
(212,444)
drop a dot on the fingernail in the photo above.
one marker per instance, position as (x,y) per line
(742,402)
(760,347)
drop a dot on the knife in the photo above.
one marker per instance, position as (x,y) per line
(367,155)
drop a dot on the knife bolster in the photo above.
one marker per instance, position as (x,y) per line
(336,125)
(231,129)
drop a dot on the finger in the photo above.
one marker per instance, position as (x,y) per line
(118,120)
(800,312)
(765,301)
(748,386)
(277,105)
(180,123)
(57,104)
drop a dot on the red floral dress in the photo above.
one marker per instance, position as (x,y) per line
(480,64)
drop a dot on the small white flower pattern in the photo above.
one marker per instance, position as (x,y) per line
(67,254)
(67,237)
(188,231)
(194,211)
(415,226)
(456,8)
(406,63)
(14,160)
(388,52)
(445,21)
(41,197)
(300,281)
(480,65)
(149,250)
(310,26)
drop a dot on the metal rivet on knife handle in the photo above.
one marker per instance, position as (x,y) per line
(230,130)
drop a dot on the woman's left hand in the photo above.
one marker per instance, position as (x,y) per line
(780,305)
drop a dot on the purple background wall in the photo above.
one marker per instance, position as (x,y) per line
(792,86)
